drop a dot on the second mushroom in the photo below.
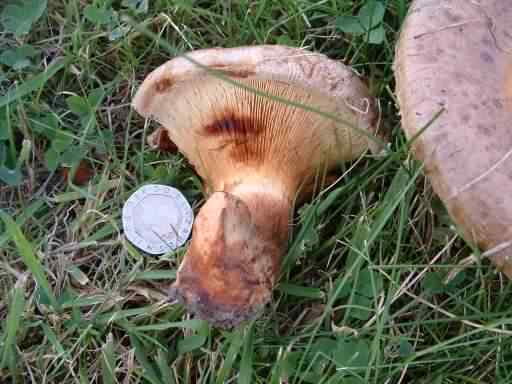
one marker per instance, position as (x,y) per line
(256,148)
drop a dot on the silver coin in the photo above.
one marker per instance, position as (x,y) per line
(157,219)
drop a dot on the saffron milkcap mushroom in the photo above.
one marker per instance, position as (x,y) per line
(454,61)
(254,153)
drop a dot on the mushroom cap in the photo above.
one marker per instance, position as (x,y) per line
(225,127)
(457,55)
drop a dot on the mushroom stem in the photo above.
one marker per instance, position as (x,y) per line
(234,257)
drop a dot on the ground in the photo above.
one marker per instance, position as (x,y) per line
(376,287)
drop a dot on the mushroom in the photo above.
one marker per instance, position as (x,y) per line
(454,61)
(236,115)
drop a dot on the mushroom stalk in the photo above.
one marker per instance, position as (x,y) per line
(233,260)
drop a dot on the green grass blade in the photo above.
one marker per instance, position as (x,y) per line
(194,324)
(33,84)
(27,213)
(402,183)
(28,257)
(245,376)
(52,338)
(108,362)
(121,315)
(191,343)
(141,354)
(13,322)
(231,355)
(301,291)
(165,370)
(294,248)
(156,275)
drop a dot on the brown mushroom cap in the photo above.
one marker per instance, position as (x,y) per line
(457,55)
(255,152)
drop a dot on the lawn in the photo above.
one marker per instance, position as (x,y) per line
(377,285)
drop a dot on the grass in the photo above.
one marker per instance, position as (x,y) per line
(374,288)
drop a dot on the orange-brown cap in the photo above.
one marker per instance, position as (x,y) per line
(456,55)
